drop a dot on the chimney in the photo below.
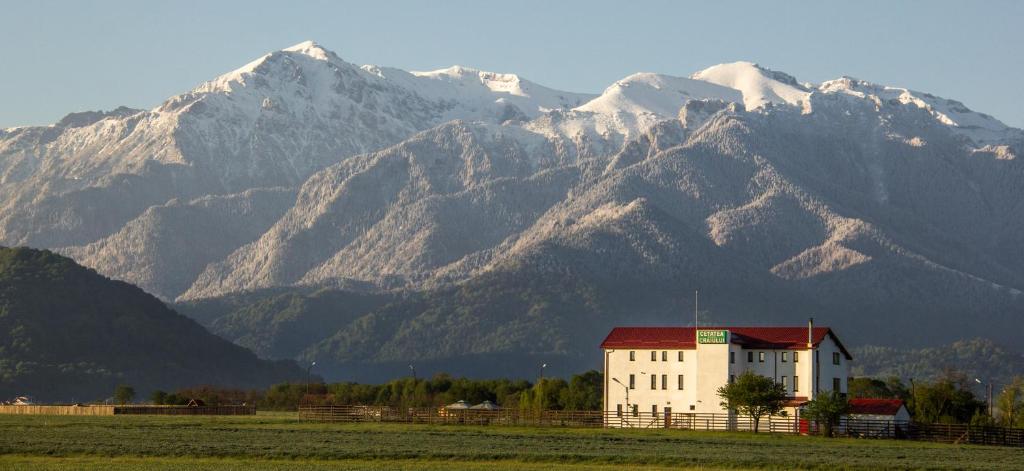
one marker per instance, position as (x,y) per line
(810,333)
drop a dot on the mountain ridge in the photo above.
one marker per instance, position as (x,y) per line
(300,171)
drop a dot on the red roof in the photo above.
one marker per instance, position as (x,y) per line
(770,338)
(795,401)
(875,406)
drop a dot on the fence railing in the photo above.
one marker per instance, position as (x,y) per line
(857,428)
(963,433)
(599,419)
(185,410)
(126,410)
(57,410)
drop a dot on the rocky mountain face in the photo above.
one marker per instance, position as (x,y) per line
(472,218)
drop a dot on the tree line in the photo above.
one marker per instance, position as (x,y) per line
(947,399)
(580,392)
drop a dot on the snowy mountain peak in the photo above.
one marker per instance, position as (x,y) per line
(758,84)
(311,49)
(298,55)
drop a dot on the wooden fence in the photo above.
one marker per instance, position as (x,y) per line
(856,428)
(126,410)
(185,410)
(547,418)
(57,410)
(963,433)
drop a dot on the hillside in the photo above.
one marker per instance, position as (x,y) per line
(67,333)
(975,358)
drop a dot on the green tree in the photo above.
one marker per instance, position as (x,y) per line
(1011,404)
(826,410)
(874,388)
(946,400)
(754,395)
(124,394)
(584,392)
(158,397)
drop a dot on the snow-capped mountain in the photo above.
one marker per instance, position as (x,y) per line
(302,171)
(272,122)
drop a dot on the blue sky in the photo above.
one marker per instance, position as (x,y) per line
(77,55)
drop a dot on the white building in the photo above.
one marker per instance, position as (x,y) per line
(655,371)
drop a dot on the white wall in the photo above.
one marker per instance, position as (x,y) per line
(828,370)
(773,367)
(714,370)
(619,366)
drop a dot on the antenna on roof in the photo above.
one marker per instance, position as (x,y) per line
(696,321)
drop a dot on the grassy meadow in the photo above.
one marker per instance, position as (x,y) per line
(279,441)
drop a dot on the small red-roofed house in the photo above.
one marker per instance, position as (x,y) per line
(876,418)
(878,409)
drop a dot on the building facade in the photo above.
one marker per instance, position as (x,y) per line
(654,371)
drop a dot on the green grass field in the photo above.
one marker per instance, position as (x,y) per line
(280,442)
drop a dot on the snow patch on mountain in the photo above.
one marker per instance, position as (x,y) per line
(472,94)
(627,109)
(979,127)
(645,97)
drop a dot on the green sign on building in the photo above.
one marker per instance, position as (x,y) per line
(712,336)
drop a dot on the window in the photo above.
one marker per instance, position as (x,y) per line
(785,357)
(654,409)
(654,355)
(680,355)
(693,407)
(732,357)
(654,382)
(664,356)
(760,357)
(618,410)
(732,379)
(785,383)
(796,381)
(632,381)
(636,410)
(632,355)
(796,357)
(835,358)
(681,382)
(664,381)
(835,384)
(750,357)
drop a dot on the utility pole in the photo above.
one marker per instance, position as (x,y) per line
(628,410)
(990,398)
(309,370)
(988,394)
(413,368)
